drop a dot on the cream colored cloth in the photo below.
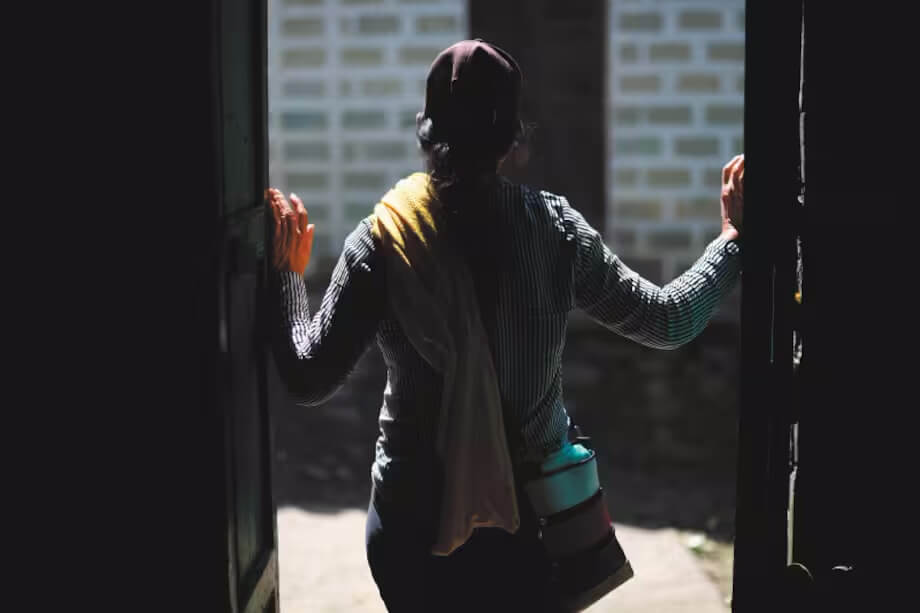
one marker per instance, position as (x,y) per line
(432,294)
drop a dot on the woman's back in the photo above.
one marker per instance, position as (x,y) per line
(534,258)
(523,274)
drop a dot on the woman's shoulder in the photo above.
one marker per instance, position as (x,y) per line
(537,204)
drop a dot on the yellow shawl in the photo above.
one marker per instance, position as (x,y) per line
(431,292)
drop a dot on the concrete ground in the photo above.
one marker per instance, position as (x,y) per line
(323,568)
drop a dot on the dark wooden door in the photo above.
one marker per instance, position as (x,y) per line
(825,460)
(772,178)
(242,382)
(186,270)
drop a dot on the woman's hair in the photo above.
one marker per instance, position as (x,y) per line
(462,167)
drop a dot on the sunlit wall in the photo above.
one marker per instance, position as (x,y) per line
(675,103)
(346,78)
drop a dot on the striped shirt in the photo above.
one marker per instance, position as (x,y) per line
(534,259)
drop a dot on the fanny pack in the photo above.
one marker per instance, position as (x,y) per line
(575,526)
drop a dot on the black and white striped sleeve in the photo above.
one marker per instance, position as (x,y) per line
(662,317)
(315,354)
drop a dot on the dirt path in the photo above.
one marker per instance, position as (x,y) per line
(323,569)
(671,479)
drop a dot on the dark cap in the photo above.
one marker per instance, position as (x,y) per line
(472,94)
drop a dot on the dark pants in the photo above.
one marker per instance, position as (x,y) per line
(493,571)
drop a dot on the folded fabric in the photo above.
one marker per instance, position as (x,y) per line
(431,292)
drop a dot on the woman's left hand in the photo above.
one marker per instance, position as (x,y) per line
(293,237)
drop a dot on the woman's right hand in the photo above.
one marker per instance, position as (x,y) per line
(733,197)
(293,241)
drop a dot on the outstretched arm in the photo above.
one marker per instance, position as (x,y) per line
(662,317)
(315,353)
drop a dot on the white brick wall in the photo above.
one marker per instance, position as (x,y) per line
(346,78)
(675,117)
